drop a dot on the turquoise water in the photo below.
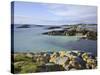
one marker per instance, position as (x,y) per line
(31,39)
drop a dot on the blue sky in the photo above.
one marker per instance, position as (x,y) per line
(53,14)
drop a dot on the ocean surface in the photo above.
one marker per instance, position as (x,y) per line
(32,40)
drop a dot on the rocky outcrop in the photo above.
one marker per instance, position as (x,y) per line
(53,61)
(57,32)
(74,31)
(76,60)
(53,27)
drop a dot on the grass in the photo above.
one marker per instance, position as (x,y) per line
(29,68)
(22,58)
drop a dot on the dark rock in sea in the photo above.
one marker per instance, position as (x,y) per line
(57,32)
(37,25)
(24,26)
(66,28)
(53,27)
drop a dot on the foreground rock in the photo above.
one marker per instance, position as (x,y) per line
(53,61)
(76,60)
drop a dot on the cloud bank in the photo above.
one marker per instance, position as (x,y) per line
(54,14)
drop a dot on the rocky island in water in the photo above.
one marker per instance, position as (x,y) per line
(75,30)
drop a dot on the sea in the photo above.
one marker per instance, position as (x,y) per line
(32,40)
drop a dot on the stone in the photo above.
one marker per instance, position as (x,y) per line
(55,54)
(80,61)
(62,53)
(29,55)
(73,53)
(91,63)
(75,64)
(62,61)
(85,56)
(52,59)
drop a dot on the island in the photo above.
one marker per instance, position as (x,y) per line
(53,27)
(24,26)
(75,30)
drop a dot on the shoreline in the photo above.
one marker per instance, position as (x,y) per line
(69,50)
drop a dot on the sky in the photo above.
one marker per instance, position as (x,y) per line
(53,14)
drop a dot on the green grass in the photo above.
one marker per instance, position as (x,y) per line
(25,67)
(22,58)
(24,64)
(29,68)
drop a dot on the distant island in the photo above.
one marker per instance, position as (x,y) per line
(29,26)
(24,26)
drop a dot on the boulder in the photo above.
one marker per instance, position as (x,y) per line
(62,60)
(30,55)
(91,63)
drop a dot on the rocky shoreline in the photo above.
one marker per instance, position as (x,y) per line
(29,62)
(85,33)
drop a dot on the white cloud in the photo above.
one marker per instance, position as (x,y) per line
(87,14)
(68,10)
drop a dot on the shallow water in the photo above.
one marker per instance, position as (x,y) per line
(31,39)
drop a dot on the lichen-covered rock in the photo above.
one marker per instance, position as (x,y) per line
(55,54)
(85,56)
(29,55)
(91,63)
(62,53)
(62,60)
(74,59)
(52,59)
